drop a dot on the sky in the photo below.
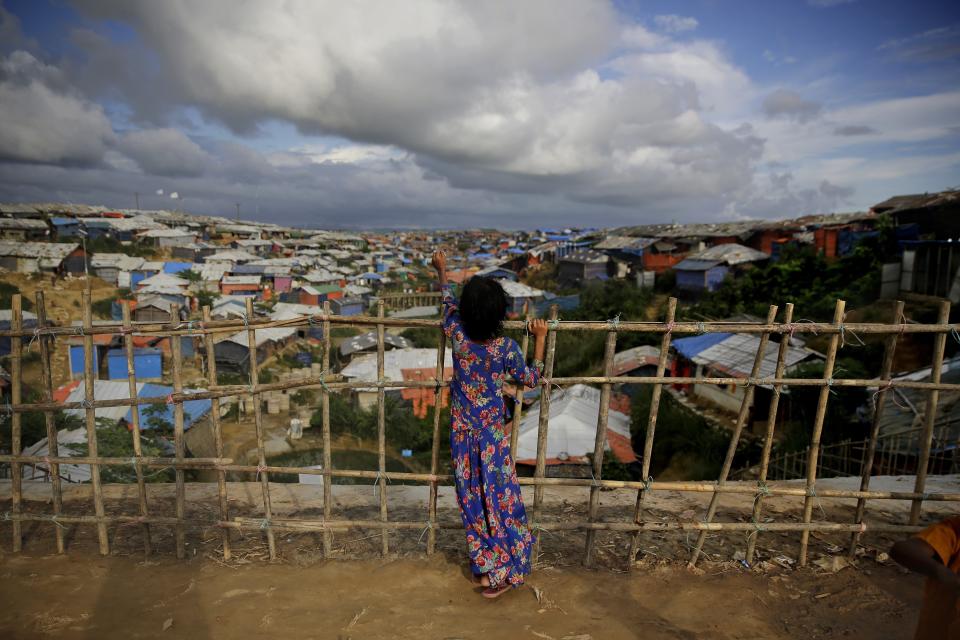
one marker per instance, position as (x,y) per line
(437,113)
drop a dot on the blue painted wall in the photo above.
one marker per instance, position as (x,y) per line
(77,362)
(147,363)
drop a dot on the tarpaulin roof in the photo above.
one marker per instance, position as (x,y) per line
(692,346)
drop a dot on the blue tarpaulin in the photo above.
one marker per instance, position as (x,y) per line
(694,345)
(176,267)
(193,410)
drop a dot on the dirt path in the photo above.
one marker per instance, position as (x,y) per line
(86,596)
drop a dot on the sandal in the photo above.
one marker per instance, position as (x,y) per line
(490,592)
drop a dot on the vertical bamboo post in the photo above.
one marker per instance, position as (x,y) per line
(768,437)
(813,456)
(930,415)
(325,426)
(176,348)
(542,428)
(52,444)
(258,422)
(16,473)
(866,466)
(135,424)
(518,397)
(652,426)
(217,434)
(381,432)
(742,416)
(435,450)
(600,443)
(91,416)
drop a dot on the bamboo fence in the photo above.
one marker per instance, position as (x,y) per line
(46,334)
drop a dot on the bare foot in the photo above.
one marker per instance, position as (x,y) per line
(482,580)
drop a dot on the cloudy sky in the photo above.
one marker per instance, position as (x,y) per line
(501,114)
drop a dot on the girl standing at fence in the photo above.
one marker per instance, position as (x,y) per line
(498,538)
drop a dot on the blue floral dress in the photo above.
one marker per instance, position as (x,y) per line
(498,538)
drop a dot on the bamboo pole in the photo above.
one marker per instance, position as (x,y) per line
(16,472)
(46,376)
(218,435)
(652,427)
(325,426)
(89,377)
(176,350)
(600,443)
(258,421)
(768,437)
(889,351)
(813,457)
(435,448)
(135,426)
(381,432)
(223,391)
(293,524)
(232,326)
(518,396)
(543,426)
(930,415)
(745,406)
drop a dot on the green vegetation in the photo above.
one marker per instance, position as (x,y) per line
(7,291)
(682,438)
(807,279)
(114,441)
(404,430)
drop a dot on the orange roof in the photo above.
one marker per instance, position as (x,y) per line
(62,393)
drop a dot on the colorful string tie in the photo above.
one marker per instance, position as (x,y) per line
(647,483)
(955,334)
(264,523)
(614,322)
(87,404)
(553,323)
(813,494)
(593,480)
(36,336)
(78,331)
(169,399)
(376,482)
(425,529)
(670,326)
(701,328)
(260,469)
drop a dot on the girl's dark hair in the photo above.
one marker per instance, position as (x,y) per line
(483,307)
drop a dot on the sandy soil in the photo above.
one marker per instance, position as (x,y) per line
(85,596)
(355,594)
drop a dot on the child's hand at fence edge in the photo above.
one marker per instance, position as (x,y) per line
(439,261)
(538,327)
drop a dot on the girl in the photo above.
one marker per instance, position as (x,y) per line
(498,539)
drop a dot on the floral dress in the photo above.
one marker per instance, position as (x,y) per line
(498,538)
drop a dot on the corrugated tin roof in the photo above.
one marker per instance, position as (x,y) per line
(365,367)
(519,290)
(692,346)
(56,251)
(691,264)
(369,341)
(735,355)
(731,254)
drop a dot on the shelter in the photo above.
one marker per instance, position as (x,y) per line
(364,368)
(368,342)
(572,432)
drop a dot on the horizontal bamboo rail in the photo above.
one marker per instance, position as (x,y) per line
(329,383)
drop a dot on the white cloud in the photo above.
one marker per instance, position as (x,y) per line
(672,23)
(42,123)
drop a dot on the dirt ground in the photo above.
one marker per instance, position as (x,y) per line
(356,594)
(86,596)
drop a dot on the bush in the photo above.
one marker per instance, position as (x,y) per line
(7,292)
